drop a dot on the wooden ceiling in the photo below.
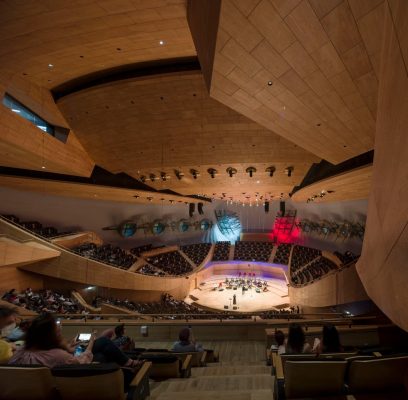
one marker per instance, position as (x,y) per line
(351,185)
(321,58)
(92,192)
(166,123)
(52,42)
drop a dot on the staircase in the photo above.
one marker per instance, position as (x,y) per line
(230,380)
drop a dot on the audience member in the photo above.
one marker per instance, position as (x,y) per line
(330,342)
(19,332)
(7,318)
(280,342)
(44,345)
(296,343)
(125,343)
(186,342)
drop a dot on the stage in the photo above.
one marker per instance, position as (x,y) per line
(209,294)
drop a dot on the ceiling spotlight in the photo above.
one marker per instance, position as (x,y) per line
(195,173)
(50,65)
(43,167)
(231,171)
(161,42)
(179,174)
(270,170)
(270,83)
(150,198)
(212,172)
(164,176)
(143,179)
(152,177)
(289,171)
(251,171)
(136,196)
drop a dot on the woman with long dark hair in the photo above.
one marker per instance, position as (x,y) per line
(330,342)
(44,345)
(296,341)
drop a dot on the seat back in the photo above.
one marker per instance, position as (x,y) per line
(26,383)
(377,375)
(90,382)
(195,357)
(164,365)
(314,378)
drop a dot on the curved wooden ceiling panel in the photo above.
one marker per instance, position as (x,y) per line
(350,185)
(159,124)
(53,42)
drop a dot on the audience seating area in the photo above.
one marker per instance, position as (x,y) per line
(315,270)
(221,251)
(137,251)
(302,255)
(150,270)
(253,251)
(107,254)
(172,263)
(36,227)
(196,252)
(282,254)
(43,301)
(346,258)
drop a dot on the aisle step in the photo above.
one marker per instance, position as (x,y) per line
(231,370)
(263,394)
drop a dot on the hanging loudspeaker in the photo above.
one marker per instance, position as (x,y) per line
(266,206)
(200,208)
(282,208)
(191,209)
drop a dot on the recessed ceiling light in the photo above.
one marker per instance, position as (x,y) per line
(161,42)
(43,167)
(50,65)
(270,83)
(258,181)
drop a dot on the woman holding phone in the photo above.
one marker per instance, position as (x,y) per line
(44,345)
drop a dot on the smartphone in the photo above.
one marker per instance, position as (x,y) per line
(84,337)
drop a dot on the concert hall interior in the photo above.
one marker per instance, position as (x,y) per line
(203,199)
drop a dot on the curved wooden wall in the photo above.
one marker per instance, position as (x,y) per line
(383,264)
(340,288)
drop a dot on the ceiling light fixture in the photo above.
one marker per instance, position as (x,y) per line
(289,171)
(161,42)
(212,172)
(251,171)
(195,173)
(270,170)
(231,171)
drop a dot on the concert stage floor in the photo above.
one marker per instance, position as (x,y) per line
(277,294)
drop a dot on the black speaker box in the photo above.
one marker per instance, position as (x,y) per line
(235,308)
(225,307)
(200,208)
(191,209)
(266,206)
(282,208)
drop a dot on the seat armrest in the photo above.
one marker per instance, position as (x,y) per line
(203,359)
(186,367)
(279,367)
(139,387)
(377,354)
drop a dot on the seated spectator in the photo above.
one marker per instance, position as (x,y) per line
(7,318)
(296,343)
(44,345)
(125,343)
(186,342)
(330,342)
(19,332)
(280,342)
(104,350)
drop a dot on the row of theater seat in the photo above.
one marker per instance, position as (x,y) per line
(282,254)
(36,227)
(172,263)
(315,270)
(108,254)
(196,252)
(43,301)
(253,251)
(147,269)
(302,255)
(346,257)
(221,251)
(338,375)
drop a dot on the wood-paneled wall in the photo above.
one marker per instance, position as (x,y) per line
(383,264)
(340,288)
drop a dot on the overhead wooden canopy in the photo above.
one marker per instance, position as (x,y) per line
(167,123)
(52,42)
(94,192)
(351,185)
(307,70)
